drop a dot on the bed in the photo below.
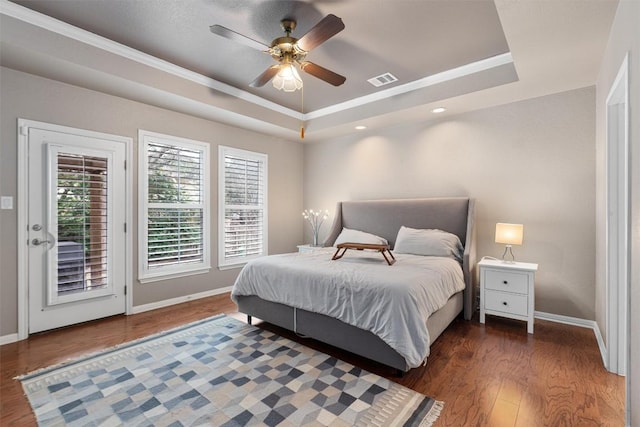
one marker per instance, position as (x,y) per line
(382,218)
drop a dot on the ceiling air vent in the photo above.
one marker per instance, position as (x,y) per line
(383,79)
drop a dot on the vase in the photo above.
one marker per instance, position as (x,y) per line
(315,240)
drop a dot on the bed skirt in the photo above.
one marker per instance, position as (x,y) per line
(339,334)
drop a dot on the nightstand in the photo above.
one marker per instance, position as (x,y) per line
(507,290)
(308,248)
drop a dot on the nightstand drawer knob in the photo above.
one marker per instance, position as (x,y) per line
(505,282)
(504,303)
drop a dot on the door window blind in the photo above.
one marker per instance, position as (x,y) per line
(82,222)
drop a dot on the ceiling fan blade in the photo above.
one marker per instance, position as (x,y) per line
(328,27)
(322,73)
(237,37)
(263,78)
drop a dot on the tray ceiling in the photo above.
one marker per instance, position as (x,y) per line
(159,51)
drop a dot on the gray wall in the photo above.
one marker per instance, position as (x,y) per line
(624,37)
(26,96)
(530,162)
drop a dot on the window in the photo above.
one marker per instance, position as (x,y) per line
(242,203)
(174,207)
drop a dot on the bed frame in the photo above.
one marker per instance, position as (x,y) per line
(383,218)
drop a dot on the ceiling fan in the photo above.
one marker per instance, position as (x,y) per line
(289,51)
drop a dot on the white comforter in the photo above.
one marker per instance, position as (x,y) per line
(360,289)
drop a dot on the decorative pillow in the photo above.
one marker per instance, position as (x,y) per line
(355,236)
(429,242)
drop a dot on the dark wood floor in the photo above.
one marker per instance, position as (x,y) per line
(487,375)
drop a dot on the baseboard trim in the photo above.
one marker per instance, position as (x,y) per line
(8,339)
(178,300)
(567,320)
(575,321)
(601,345)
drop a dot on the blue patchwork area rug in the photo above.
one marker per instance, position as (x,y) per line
(220,372)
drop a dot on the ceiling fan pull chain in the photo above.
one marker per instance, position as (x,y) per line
(302,112)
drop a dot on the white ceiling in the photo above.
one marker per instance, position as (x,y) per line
(463,55)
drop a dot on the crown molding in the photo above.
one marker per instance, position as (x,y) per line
(434,79)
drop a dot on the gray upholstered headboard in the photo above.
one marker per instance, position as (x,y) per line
(385,217)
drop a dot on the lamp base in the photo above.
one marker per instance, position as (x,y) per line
(507,249)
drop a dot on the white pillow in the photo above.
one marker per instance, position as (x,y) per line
(428,242)
(355,236)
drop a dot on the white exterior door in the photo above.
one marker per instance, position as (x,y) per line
(76,227)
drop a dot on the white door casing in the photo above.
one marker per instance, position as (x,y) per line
(74,257)
(617,264)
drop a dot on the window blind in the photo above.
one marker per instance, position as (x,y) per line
(244,187)
(175,205)
(82,222)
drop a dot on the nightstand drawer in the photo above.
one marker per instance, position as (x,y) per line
(507,281)
(506,302)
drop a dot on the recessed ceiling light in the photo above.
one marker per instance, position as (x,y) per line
(361,127)
(439,110)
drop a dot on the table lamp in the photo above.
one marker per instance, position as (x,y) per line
(509,234)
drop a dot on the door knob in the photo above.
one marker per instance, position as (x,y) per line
(38,242)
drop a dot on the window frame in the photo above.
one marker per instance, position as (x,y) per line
(146,274)
(223,151)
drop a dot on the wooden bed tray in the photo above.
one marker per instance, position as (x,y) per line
(383,249)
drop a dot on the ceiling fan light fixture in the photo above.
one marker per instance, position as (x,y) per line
(288,79)
(287,51)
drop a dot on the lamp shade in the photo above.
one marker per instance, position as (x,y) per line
(287,78)
(509,234)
